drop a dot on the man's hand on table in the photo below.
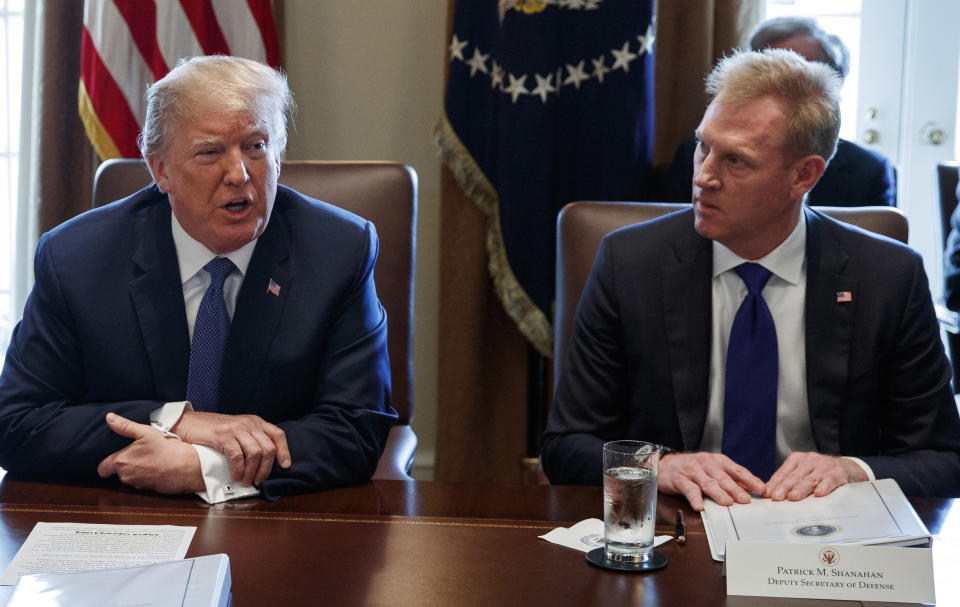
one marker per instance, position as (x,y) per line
(152,461)
(250,444)
(810,473)
(695,475)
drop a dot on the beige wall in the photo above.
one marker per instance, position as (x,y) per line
(368,80)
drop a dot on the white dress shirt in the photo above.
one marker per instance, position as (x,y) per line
(785,295)
(192,256)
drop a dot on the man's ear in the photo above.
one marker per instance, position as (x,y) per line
(158,170)
(806,173)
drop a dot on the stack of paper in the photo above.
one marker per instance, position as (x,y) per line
(868,513)
(198,582)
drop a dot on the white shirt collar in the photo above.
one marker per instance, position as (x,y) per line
(785,261)
(192,255)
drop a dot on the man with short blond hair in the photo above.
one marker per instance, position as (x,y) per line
(772,350)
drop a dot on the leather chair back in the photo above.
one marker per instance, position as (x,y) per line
(384,193)
(582,225)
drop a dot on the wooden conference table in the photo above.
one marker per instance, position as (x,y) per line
(423,543)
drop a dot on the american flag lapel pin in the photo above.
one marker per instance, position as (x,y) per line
(844,296)
(273,288)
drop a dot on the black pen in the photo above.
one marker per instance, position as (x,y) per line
(681,529)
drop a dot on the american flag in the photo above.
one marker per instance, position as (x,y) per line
(273,288)
(129,44)
(844,296)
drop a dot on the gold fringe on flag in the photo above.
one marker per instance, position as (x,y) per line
(532,322)
(101,140)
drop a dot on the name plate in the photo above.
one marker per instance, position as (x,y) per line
(818,571)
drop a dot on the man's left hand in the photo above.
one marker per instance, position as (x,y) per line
(250,443)
(152,461)
(810,473)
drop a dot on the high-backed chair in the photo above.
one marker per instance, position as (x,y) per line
(582,225)
(384,193)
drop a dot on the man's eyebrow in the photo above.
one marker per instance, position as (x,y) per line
(197,143)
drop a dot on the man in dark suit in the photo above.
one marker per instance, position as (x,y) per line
(213,288)
(855,176)
(860,384)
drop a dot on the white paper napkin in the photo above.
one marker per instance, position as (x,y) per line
(587,535)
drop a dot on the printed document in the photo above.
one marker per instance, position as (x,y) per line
(66,547)
(871,512)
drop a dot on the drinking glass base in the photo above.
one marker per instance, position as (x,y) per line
(598,558)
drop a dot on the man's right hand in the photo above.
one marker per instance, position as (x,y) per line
(715,475)
(249,443)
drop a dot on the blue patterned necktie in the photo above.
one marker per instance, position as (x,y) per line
(750,389)
(209,340)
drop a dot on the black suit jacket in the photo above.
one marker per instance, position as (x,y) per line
(105,330)
(855,177)
(637,367)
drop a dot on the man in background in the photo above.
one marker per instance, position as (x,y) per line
(213,333)
(855,176)
(771,349)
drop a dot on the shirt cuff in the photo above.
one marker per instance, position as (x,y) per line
(216,478)
(165,417)
(870,475)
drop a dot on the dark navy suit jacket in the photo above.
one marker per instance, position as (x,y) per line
(855,177)
(105,330)
(878,382)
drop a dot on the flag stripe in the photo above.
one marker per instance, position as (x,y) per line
(204,22)
(95,130)
(141,18)
(239,29)
(174,33)
(107,100)
(111,38)
(263,15)
(128,44)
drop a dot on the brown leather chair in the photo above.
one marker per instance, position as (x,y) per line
(386,194)
(582,225)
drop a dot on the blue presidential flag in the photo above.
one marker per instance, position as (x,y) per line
(548,101)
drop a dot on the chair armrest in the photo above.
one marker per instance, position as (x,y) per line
(949,320)
(397,459)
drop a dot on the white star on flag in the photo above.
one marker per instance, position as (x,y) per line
(544,86)
(516,88)
(575,75)
(478,62)
(646,41)
(599,69)
(496,76)
(456,48)
(623,57)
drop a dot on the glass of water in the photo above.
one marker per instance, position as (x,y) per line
(629,500)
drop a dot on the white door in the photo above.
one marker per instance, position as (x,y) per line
(907,105)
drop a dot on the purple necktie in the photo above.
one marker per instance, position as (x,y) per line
(209,340)
(750,389)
